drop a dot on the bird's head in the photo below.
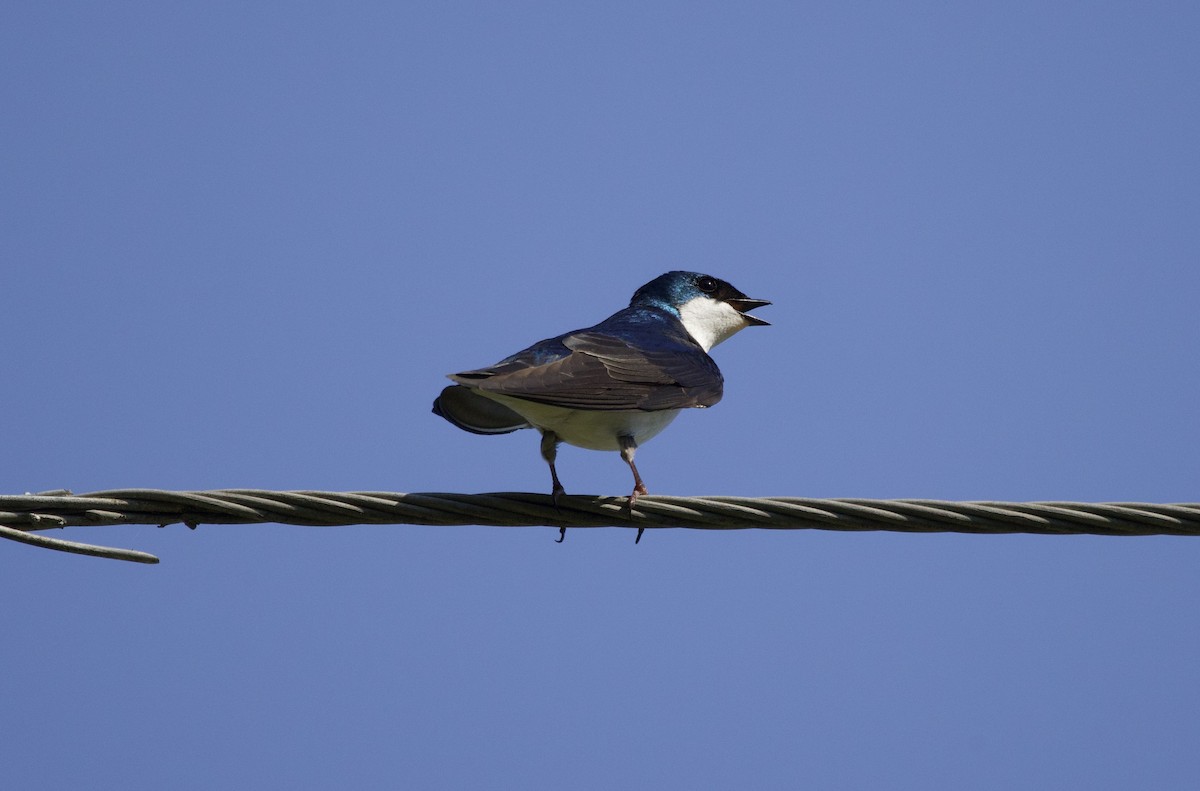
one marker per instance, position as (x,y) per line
(710,309)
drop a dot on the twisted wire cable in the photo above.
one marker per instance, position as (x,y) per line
(22,515)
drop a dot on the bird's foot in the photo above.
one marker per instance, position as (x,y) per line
(640,488)
(555,496)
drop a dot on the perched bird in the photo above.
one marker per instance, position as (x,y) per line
(612,386)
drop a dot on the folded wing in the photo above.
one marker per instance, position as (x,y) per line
(600,371)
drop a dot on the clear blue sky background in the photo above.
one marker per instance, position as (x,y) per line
(242,244)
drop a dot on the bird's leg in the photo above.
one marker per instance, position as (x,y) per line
(628,448)
(550,442)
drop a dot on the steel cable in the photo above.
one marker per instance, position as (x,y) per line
(22,515)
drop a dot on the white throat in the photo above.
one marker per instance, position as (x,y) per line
(710,321)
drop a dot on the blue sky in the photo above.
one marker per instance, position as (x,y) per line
(243,243)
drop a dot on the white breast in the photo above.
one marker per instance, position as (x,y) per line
(586,428)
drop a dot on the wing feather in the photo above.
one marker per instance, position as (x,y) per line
(601,371)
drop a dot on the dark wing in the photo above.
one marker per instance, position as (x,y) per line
(602,371)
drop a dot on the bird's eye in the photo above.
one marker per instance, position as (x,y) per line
(707,284)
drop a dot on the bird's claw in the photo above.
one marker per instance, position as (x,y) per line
(640,488)
(555,497)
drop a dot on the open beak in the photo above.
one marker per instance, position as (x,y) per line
(743,304)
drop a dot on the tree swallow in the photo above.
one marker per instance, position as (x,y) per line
(612,386)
